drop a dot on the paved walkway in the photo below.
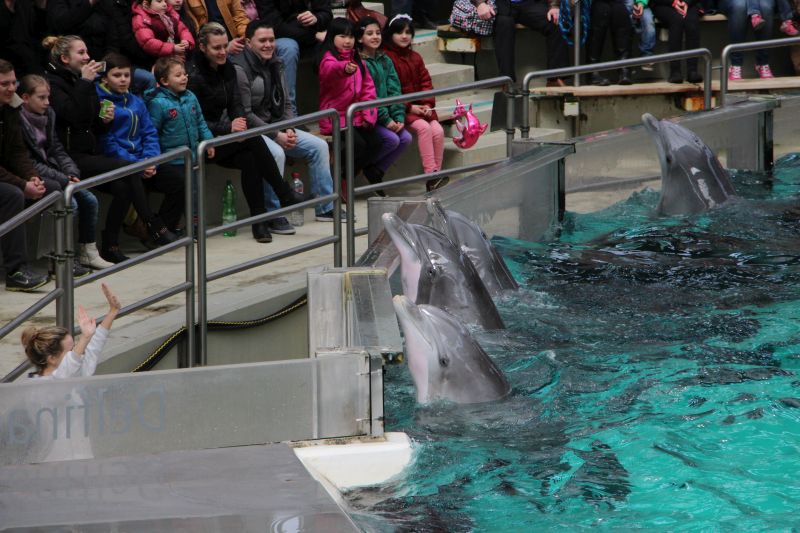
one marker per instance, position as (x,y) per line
(154,276)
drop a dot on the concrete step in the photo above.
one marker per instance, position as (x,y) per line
(447,75)
(426,44)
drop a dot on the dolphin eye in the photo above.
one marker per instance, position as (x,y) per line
(669,160)
(444,361)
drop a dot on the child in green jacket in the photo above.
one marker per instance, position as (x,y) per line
(391,119)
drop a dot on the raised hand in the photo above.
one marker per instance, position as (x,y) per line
(87,323)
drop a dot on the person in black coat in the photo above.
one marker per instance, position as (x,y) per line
(73,97)
(299,25)
(682,18)
(80,17)
(212,78)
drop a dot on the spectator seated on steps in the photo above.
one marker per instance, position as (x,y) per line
(613,15)
(682,19)
(738,25)
(300,27)
(262,86)
(229,13)
(538,15)
(18,183)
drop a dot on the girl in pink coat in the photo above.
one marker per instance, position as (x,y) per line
(158,29)
(344,80)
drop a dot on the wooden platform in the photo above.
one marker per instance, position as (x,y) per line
(662,87)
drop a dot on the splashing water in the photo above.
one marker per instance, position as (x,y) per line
(654,368)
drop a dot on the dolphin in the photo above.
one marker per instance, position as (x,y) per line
(472,240)
(435,272)
(445,362)
(692,178)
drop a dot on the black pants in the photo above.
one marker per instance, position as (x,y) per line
(609,14)
(131,190)
(684,32)
(533,14)
(12,244)
(255,161)
(367,143)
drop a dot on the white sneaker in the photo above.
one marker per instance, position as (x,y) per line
(89,256)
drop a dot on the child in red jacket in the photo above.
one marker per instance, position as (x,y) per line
(158,29)
(414,77)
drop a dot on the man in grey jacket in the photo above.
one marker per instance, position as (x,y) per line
(264,96)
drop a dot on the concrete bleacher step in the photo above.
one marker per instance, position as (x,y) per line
(448,74)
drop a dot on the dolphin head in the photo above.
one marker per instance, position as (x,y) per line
(692,178)
(445,362)
(414,260)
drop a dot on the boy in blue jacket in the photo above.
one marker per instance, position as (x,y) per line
(132,137)
(175,110)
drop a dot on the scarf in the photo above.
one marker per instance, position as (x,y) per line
(168,24)
(39,125)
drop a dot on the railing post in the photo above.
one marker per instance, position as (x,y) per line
(63,260)
(201,357)
(185,359)
(725,60)
(348,176)
(707,82)
(576,41)
(510,108)
(337,204)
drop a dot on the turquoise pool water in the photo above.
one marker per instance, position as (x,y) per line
(654,365)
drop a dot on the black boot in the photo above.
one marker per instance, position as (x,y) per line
(374,175)
(675,75)
(109,250)
(159,232)
(624,72)
(595,78)
(261,232)
(692,75)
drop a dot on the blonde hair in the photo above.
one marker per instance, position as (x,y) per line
(41,343)
(59,46)
(28,84)
(209,29)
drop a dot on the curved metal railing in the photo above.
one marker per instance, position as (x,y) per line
(703,53)
(203,277)
(744,47)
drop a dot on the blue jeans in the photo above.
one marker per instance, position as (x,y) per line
(754,7)
(645,28)
(85,203)
(315,151)
(288,51)
(142,80)
(738,22)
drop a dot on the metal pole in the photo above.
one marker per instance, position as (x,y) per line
(189,352)
(337,204)
(201,283)
(707,85)
(64,307)
(349,171)
(576,41)
(723,76)
(510,107)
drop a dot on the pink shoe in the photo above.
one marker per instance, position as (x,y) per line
(788,27)
(757,21)
(764,72)
(734,73)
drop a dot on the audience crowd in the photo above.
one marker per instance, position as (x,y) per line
(104,83)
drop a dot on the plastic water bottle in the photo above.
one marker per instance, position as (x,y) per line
(229,208)
(297,218)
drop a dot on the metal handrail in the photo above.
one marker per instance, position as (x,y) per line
(501,81)
(743,47)
(17,220)
(64,255)
(203,277)
(703,53)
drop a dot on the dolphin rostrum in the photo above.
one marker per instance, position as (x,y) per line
(435,272)
(692,178)
(445,362)
(472,240)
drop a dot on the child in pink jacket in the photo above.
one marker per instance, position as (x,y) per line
(344,80)
(159,30)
